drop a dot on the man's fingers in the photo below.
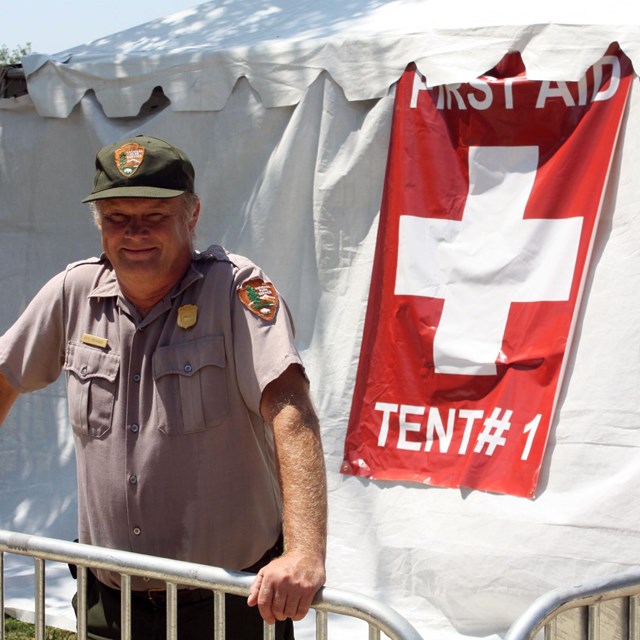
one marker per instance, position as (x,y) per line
(280,606)
(290,603)
(277,604)
(262,594)
(254,590)
(302,607)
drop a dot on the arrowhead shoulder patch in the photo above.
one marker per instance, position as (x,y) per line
(128,158)
(260,298)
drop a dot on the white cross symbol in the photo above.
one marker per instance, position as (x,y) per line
(486,261)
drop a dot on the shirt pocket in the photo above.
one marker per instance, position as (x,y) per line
(91,388)
(191,385)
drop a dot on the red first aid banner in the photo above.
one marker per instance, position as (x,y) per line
(491,200)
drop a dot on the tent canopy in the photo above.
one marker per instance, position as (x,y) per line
(282,46)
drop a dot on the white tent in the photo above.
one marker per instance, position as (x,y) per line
(285,109)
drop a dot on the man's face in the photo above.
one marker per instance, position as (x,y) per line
(147,240)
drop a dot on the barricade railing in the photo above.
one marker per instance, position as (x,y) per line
(601,609)
(380,617)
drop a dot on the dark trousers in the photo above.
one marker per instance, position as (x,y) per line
(195,616)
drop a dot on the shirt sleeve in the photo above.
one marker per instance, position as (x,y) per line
(32,350)
(264,334)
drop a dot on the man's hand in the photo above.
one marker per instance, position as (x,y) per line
(286,586)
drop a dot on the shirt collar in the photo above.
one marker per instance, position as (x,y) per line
(108,286)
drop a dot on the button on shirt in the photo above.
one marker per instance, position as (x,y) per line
(174,459)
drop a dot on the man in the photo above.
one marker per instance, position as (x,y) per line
(195,435)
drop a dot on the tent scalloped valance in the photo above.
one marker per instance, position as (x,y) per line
(365,67)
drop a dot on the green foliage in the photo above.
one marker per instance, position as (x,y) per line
(16,630)
(15,55)
(256,301)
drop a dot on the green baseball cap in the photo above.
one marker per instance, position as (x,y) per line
(141,167)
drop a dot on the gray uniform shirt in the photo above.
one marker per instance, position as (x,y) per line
(173,456)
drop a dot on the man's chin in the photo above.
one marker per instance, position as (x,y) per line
(137,266)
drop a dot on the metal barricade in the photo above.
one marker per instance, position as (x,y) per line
(379,617)
(602,609)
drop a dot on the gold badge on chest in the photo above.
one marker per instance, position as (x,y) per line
(187,316)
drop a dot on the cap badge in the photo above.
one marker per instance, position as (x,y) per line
(187,316)
(128,158)
(259,297)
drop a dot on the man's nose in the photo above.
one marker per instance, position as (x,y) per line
(137,225)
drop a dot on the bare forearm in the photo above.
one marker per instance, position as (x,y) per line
(303,480)
(286,586)
(7,397)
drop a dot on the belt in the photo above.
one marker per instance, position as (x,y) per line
(158,597)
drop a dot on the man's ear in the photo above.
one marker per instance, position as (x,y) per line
(196,214)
